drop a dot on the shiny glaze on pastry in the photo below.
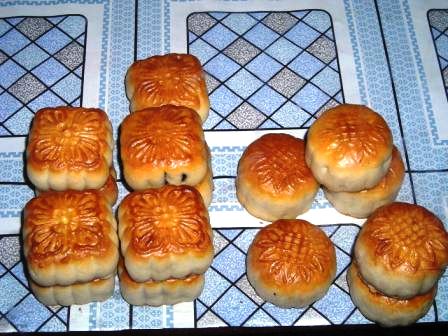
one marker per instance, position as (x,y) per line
(70,138)
(407,237)
(110,189)
(61,227)
(175,79)
(351,135)
(289,252)
(165,136)
(168,220)
(276,164)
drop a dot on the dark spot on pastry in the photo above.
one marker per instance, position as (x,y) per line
(184,177)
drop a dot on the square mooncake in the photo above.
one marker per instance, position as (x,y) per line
(176,79)
(69,237)
(165,233)
(163,145)
(69,148)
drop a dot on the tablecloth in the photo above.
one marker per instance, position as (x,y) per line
(271,66)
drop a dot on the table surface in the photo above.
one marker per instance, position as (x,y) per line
(271,66)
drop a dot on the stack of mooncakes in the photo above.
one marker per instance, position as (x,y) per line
(70,148)
(69,232)
(399,256)
(166,244)
(164,229)
(350,151)
(162,141)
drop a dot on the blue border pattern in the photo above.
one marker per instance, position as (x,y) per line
(169,317)
(379,89)
(166,26)
(421,149)
(422,76)
(356,53)
(149,28)
(365,39)
(121,56)
(104,52)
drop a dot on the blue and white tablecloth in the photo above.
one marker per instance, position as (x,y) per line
(272,65)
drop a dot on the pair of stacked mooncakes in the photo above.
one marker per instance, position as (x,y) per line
(399,255)
(164,229)
(162,140)
(69,231)
(350,152)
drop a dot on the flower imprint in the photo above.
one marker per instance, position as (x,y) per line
(162,136)
(294,251)
(170,79)
(63,224)
(278,161)
(353,138)
(167,220)
(68,137)
(410,236)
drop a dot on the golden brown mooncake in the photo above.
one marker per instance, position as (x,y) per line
(385,310)
(291,263)
(157,293)
(76,294)
(273,180)
(165,233)
(163,145)
(362,203)
(172,79)
(109,190)
(349,148)
(69,237)
(402,250)
(69,148)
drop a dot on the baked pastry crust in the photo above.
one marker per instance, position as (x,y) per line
(385,310)
(349,148)
(69,237)
(402,250)
(273,180)
(165,233)
(175,79)
(291,263)
(76,294)
(205,187)
(109,190)
(157,293)
(163,145)
(362,203)
(69,148)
